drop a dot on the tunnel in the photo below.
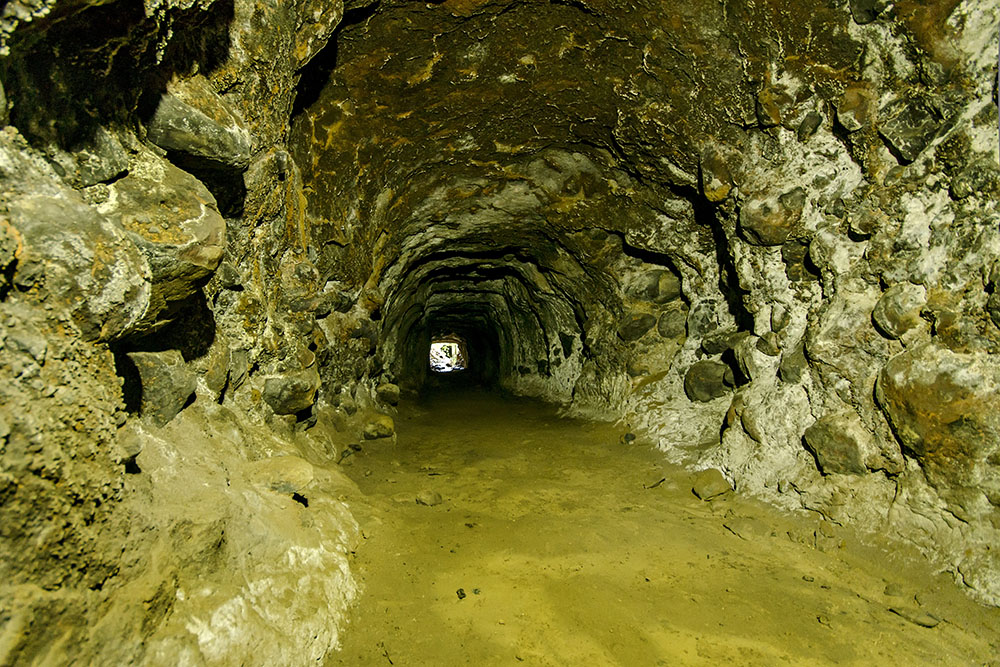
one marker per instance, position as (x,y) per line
(288,290)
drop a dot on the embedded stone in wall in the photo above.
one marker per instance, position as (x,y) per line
(102,158)
(173,219)
(706,380)
(167,384)
(945,409)
(292,392)
(911,126)
(635,326)
(898,310)
(856,108)
(194,121)
(840,444)
(770,221)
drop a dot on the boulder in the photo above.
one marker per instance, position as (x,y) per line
(706,380)
(672,323)
(292,392)
(840,443)
(944,408)
(192,120)
(167,384)
(173,219)
(710,484)
(388,392)
(381,426)
(88,266)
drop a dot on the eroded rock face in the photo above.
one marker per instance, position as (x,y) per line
(943,407)
(634,210)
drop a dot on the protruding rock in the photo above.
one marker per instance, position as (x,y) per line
(716,179)
(193,120)
(636,325)
(856,108)
(429,498)
(840,443)
(898,310)
(88,266)
(770,221)
(910,127)
(810,123)
(866,11)
(793,364)
(282,474)
(710,484)
(381,426)
(167,384)
(102,158)
(293,392)
(945,409)
(388,392)
(173,219)
(706,380)
(672,323)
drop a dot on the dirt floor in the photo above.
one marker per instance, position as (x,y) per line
(555,543)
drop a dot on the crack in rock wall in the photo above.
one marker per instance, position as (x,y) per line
(764,238)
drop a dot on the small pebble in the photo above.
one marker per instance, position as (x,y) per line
(429,498)
(460,593)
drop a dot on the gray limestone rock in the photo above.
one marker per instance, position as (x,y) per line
(672,323)
(840,443)
(898,310)
(292,392)
(167,384)
(710,484)
(706,380)
(192,120)
(85,264)
(810,123)
(102,158)
(380,426)
(793,364)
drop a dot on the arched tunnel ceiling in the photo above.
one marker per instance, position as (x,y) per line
(557,111)
(437,135)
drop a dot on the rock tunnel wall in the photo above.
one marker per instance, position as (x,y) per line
(763,237)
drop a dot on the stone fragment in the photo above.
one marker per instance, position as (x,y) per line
(770,221)
(292,392)
(89,267)
(810,123)
(706,380)
(910,128)
(793,364)
(635,326)
(381,426)
(702,318)
(388,392)
(798,265)
(193,120)
(429,498)
(672,323)
(102,158)
(659,286)
(945,409)
(167,384)
(839,442)
(856,108)
(718,342)
(993,308)
(173,219)
(716,178)
(710,484)
(898,310)
(768,344)
(239,367)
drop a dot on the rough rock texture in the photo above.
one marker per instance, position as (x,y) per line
(733,225)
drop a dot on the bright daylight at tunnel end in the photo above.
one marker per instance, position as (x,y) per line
(238,238)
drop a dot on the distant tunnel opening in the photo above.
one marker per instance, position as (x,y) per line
(448,354)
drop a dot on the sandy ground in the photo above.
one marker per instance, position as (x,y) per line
(554,544)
